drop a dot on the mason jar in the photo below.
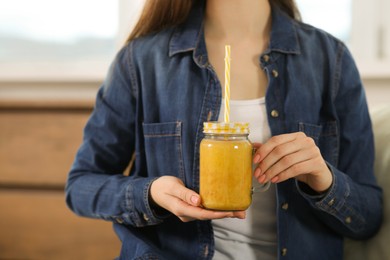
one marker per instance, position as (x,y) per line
(225,166)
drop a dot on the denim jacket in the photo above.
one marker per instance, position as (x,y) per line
(151,107)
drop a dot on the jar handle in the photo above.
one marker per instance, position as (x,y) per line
(261,187)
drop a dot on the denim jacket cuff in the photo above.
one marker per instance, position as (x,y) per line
(138,204)
(311,194)
(335,201)
(326,198)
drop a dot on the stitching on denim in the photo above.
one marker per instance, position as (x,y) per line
(168,129)
(338,65)
(133,75)
(180,153)
(145,198)
(129,203)
(128,197)
(161,135)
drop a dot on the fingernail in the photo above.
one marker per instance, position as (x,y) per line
(257,173)
(262,178)
(256,159)
(194,199)
(275,179)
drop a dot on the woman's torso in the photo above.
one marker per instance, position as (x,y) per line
(176,91)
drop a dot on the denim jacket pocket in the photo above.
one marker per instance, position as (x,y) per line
(326,138)
(163,149)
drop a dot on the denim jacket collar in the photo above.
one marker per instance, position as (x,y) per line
(190,35)
(284,37)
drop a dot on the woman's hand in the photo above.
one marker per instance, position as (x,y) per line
(170,193)
(292,156)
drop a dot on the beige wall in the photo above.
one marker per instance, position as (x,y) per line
(378,91)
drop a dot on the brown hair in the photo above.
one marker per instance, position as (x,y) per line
(289,7)
(159,14)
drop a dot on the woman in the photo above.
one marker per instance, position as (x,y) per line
(299,86)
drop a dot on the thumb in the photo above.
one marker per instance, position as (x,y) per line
(195,200)
(187,195)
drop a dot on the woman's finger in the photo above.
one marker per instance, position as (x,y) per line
(263,150)
(293,156)
(170,193)
(187,212)
(286,156)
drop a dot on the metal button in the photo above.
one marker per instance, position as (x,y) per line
(209,115)
(206,250)
(266,58)
(146,218)
(274,113)
(285,206)
(275,73)
(348,220)
(119,220)
(331,202)
(284,251)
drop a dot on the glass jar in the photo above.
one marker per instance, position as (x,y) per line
(226,166)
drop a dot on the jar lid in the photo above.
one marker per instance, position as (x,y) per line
(225,128)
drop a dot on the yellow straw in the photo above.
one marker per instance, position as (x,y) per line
(227,83)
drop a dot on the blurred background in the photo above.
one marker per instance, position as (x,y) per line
(53,57)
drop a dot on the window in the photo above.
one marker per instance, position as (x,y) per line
(61,40)
(333,16)
(371,37)
(363,25)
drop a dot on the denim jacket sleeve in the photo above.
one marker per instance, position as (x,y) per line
(353,205)
(96,186)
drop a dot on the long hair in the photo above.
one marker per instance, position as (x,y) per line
(160,14)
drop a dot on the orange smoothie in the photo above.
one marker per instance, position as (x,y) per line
(226,172)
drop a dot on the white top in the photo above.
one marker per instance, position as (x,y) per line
(254,237)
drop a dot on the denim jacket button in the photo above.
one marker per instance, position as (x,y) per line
(146,218)
(285,206)
(266,58)
(275,73)
(274,113)
(284,251)
(348,220)
(331,202)
(209,115)
(206,251)
(119,220)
